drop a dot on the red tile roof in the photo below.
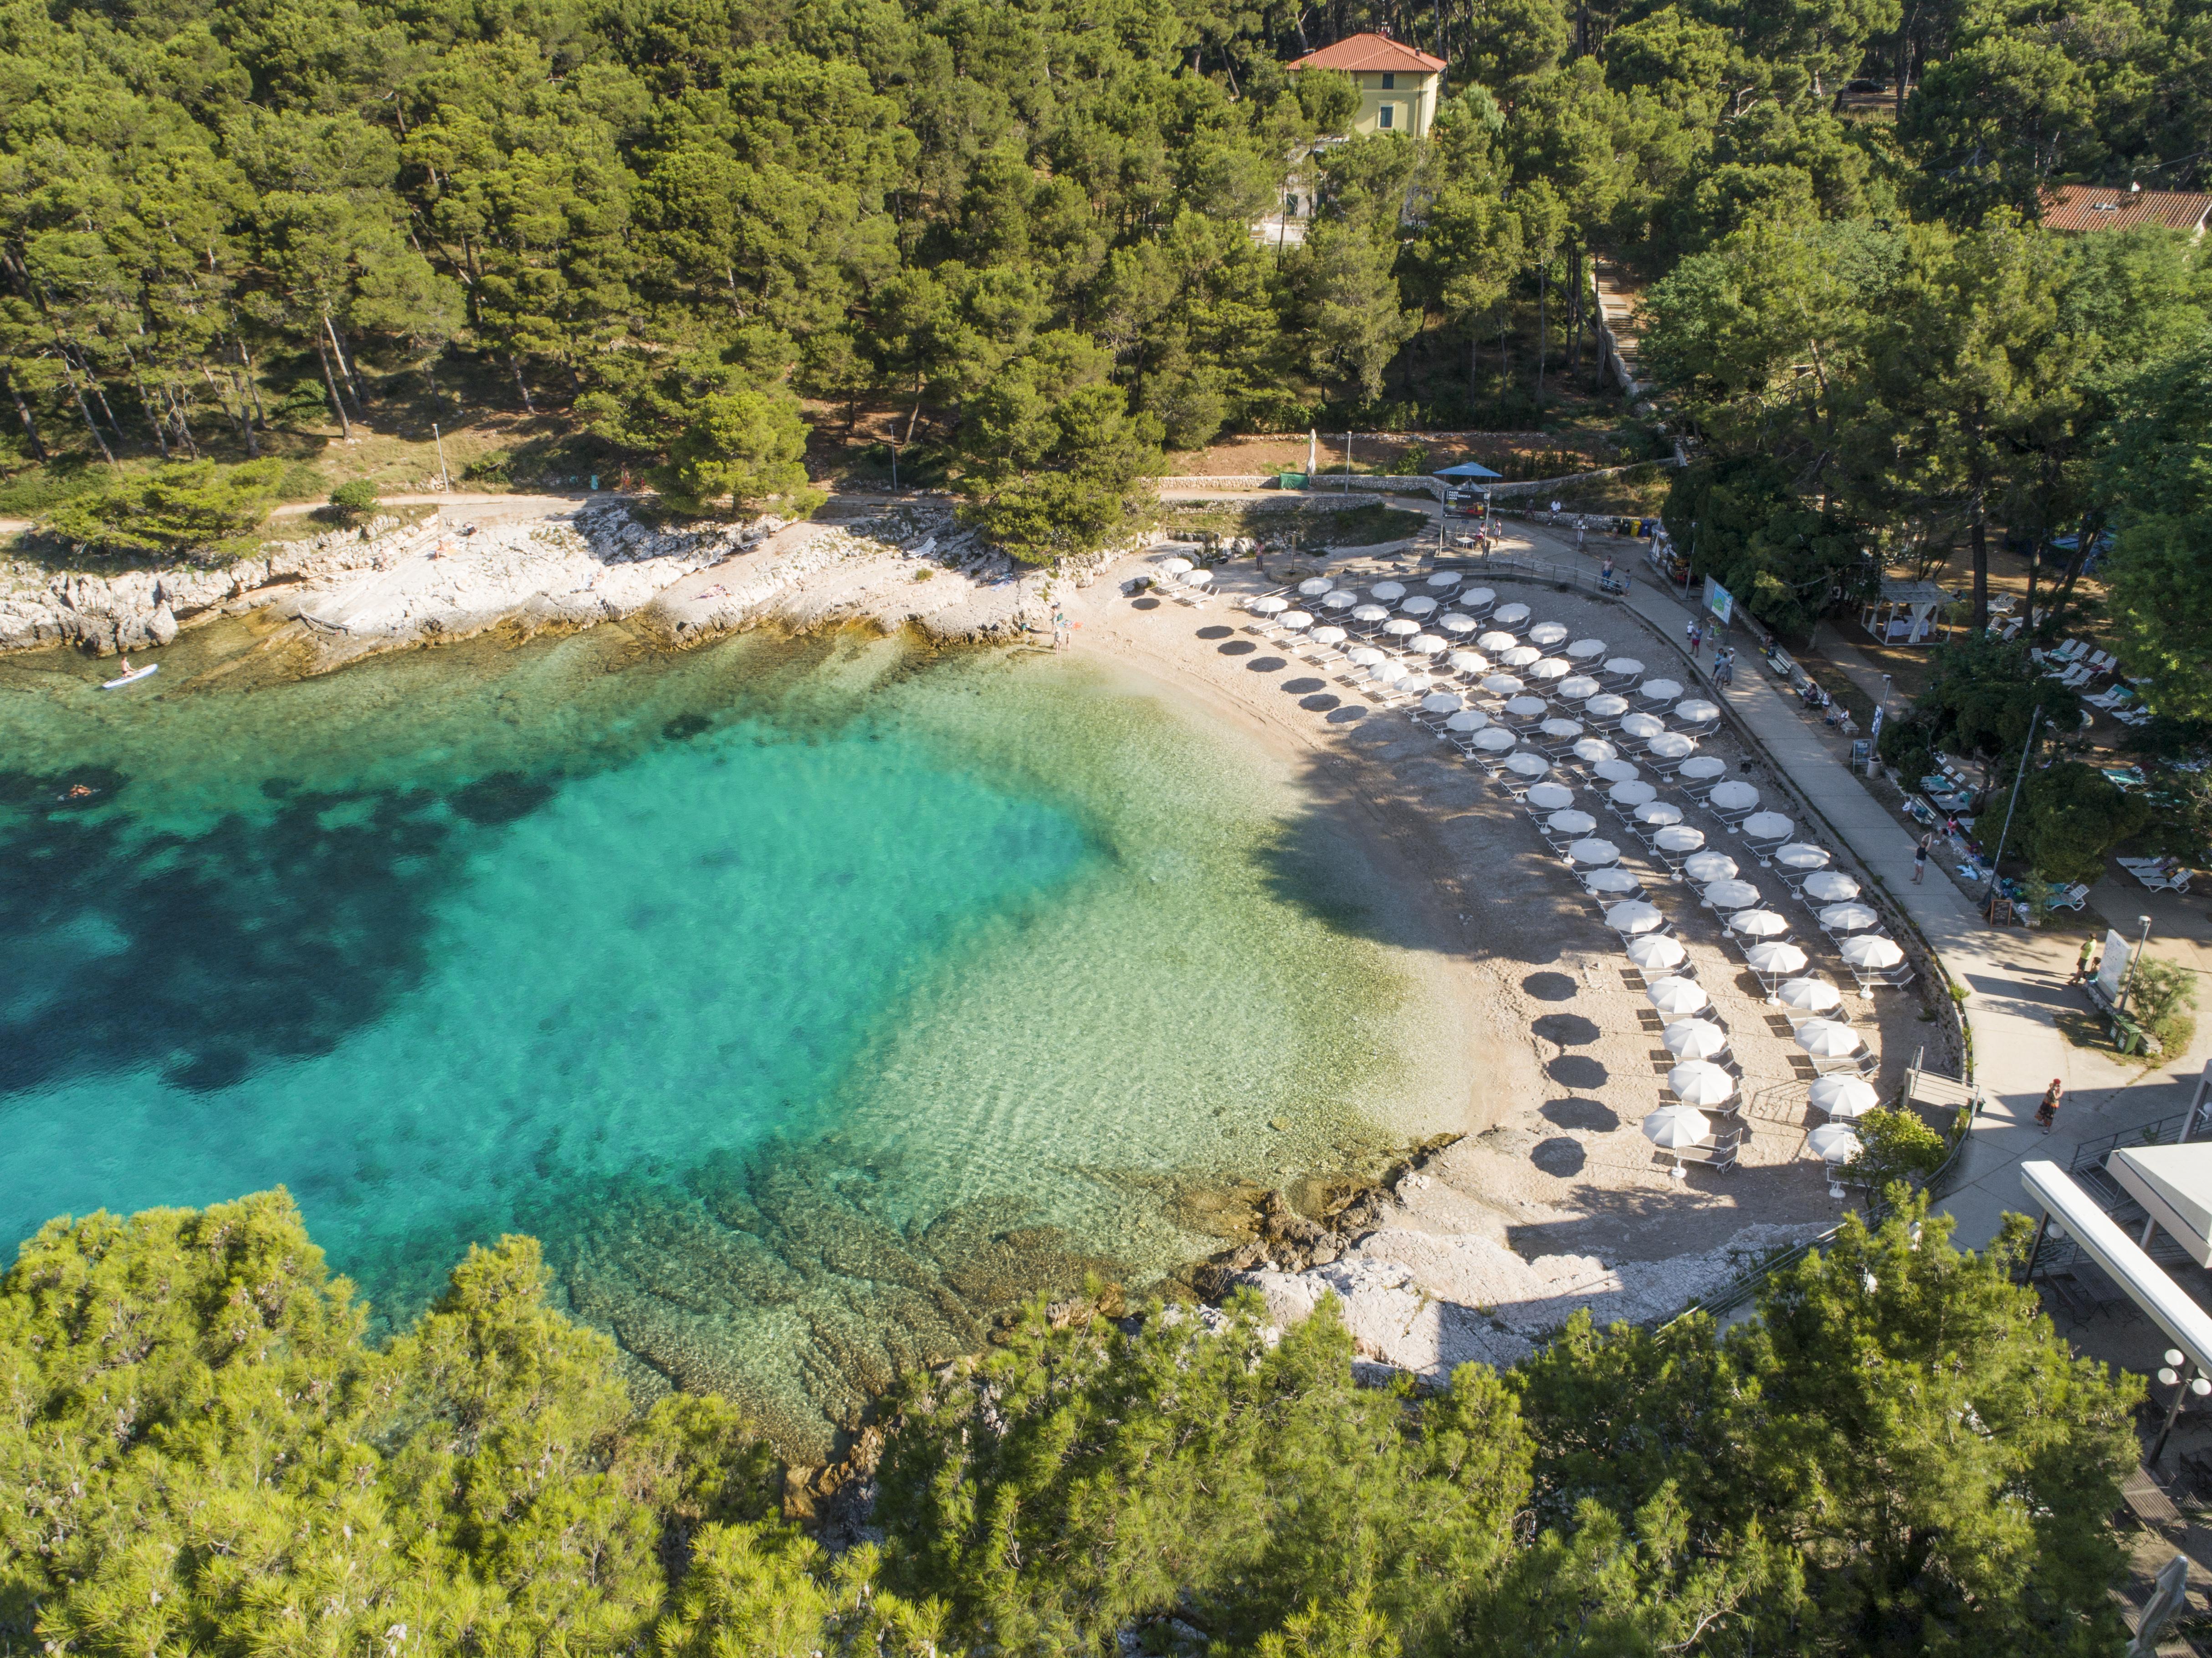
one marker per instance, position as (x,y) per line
(1371,52)
(2094,206)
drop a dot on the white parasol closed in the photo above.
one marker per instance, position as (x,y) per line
(1494,739)
(1642,726)
(1522,764)
(1389,592)
(1679,838)
(1554,797)
(1593,854)
(1700,767)
(1677,998)
(1570,822)
(1830,887)
(1656,952)
(1847,918)
(1758,924)
(1700,1082)
(1872,951)
(1694,1039)
(1633,917)
(1731,894)
(1734,795)
(1442,702)
(1590,750)
(1268,604)
(1634,792)
(1844,1098)
(1769,826)
(1616,771)
(1808,995)
(1606,705)
(1709,866)
(1833,1142)
(1774,956)
(1468,719)
(1676,1127)
(1802,854)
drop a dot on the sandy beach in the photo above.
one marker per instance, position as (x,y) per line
(1553,1199)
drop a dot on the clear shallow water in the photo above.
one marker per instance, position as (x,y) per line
(811,1002)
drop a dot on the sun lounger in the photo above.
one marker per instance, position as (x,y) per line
(2072,898)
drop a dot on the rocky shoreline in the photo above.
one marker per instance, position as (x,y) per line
(389,585)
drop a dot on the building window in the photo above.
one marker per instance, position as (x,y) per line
(1389,117)
(1390,82)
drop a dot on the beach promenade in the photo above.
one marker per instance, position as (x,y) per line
(2016,980)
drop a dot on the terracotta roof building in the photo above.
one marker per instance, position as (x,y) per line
(1400,86)
(2095,206)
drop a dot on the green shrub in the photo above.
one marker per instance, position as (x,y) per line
(1896,1145)
(195,509)
(491,467)
(351,503)
(2162,996)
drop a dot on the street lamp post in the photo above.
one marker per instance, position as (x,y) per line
(1998,857)
(2183,1381)
(2129,983)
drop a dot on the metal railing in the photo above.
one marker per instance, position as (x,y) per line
(1521,566)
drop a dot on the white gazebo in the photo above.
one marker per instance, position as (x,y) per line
(1904,614)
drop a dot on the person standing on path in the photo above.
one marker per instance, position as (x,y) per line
(2047,1113)
(1920,857)
(2082,964)
(1696,638)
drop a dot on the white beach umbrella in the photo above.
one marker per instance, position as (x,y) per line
(1616,771)
(1808,995)
(1577,686)
(1593,854)
(1709,866)
(1494,739)
(1561,730)
(1389,592)
(1699,767)
(1833,1142)
(1512,615)
(1657,953)
(1503,684)
(1679,838)
(1824,1038)
(1694,1039)
(1315,586)
(1774,957)
(1362,656)
(1521,763)
(1470,662)
(1677,998)
(1769,826)
(1642,726)
(1328,636)
(1268,604)
(1844,1098)
(1758,924)
(1872,951)
(1496,641)
(1520,656)
(1453,622)
(1476,598)
(1468,719)
(1443,579)
(1370,613)
(1547,634)
(1700,1082)
(1414,684)
(1634,916)
(1583,649)
(1657,814)
(1733,796)
(1623,667)
(1295,621)
(1592,750)
(1830,887)
(1613,882)
(1848,918)
(1429,644)
(1175,566)
(1525,707)
(1731,894)
(1676,1127)
(1670,745)
(1196,578)
(1802,854)
(1555,797)
(1419,604)
(1570,822)
(1660,690)
(1442,702)
(1548,668)
(1340,600)
(1401,627)
(1606,705)
(1634,792)
(1695,711)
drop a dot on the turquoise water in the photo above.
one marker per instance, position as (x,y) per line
(811,1002)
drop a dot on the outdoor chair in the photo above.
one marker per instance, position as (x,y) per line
(2072,898)
(1716,1153)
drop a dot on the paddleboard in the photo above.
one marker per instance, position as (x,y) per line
(133,678)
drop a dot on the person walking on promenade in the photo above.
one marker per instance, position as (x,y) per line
(2047,1113)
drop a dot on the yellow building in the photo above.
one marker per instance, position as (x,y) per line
(1400,86)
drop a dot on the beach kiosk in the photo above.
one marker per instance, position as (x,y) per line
(1462,487)
(1904,611)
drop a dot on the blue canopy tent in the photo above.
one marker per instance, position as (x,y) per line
(1467,469)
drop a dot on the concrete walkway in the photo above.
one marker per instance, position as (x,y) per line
(2016,981)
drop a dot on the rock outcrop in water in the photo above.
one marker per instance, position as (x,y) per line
(388,586)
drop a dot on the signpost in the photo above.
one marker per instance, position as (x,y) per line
(1719,601)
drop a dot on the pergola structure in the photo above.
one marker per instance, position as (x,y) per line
(1905,613)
